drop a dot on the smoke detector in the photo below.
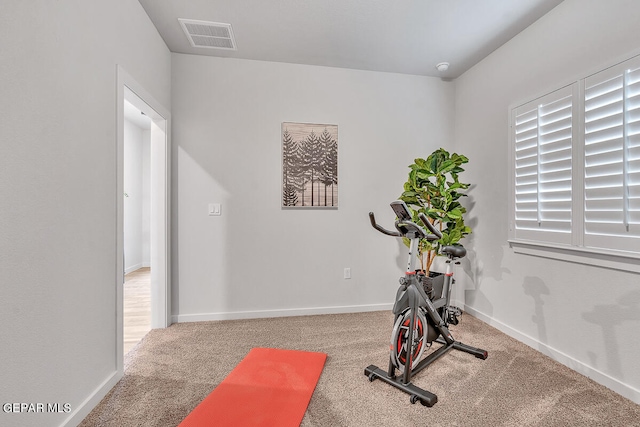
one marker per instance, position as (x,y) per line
(443,66)
(211,35)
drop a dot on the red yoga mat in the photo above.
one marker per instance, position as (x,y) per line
(269,387)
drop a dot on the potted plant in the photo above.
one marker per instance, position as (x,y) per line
(433,188)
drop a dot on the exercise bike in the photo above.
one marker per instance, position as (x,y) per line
(421,316)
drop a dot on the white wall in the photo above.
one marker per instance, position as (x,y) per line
(58,192)
(145,231)
(137,199)
(585,316)
(258,259)
(132,198)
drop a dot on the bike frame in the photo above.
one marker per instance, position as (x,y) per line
(411,296)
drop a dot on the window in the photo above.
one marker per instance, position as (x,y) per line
(576,165)
(543,166)
(612,158)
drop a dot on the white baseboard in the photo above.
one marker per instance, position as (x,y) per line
(81,412)
(288,312)
(135,267)
(619,387)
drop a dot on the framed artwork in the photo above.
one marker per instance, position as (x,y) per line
(309,165)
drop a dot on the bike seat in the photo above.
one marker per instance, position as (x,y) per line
(455,251)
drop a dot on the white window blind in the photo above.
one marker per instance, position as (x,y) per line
(543,138)
(576,165)
(612,158)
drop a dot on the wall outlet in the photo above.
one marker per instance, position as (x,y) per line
(347,273)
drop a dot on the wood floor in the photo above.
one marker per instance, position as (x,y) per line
(137,306)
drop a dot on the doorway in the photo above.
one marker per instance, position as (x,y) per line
(137,215)
(157,252)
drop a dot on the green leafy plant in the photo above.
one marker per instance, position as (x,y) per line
(434,189)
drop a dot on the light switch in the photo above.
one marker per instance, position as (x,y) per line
(214,209)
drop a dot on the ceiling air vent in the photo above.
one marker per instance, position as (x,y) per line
(212,35)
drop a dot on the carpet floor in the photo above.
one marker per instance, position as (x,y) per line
(171,370)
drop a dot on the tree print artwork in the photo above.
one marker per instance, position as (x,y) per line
(309,165)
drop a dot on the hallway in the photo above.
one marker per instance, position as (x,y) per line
(137,307)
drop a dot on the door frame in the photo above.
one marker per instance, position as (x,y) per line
(128,88)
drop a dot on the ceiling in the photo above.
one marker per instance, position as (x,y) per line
(399,36)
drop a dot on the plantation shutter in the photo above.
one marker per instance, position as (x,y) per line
(543,138)
(612,158)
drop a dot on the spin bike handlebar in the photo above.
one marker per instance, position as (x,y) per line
(404,214)
(430,226)
(375,225)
